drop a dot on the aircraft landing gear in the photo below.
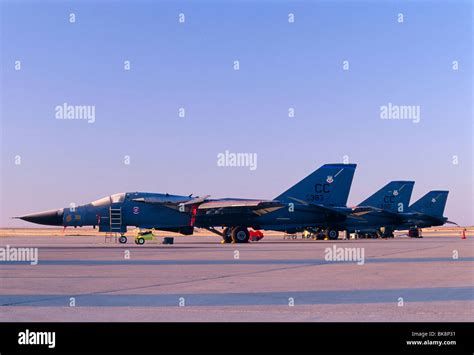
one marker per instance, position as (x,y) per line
(140,241)
(232,234)
(122,239)
(319,234)
(385,232)
(227,235)
(332,234)
(240,235)
(414,233)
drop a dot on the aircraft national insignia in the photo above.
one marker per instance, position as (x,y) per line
(395,193)
(433,200)
(136,210)
(329,179)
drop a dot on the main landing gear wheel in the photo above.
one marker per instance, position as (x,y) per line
(332,234)
(384,235)
(227,237)
(122,239)
(140,241)
(319,234)
(414,233)
(385,232)
(240,235)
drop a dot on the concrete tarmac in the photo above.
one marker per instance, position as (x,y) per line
(83,278)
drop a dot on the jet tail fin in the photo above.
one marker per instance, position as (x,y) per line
(393,197)
(329,185)
(432,204)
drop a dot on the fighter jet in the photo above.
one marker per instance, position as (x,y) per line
(319,199)
(382,212)
(386,218)
(426,212)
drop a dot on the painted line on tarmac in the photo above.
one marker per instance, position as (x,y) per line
(434,294)
(79,262)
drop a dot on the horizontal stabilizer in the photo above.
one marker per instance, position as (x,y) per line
(319,208)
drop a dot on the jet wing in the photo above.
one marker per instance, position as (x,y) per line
(224,206)
(322,208)
(361,210)
(160,201)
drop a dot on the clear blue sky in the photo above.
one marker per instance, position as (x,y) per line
(190,65)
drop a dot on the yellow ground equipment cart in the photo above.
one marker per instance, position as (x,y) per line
(142,236)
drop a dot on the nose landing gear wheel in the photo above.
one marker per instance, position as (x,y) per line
(122,239)
(140,241)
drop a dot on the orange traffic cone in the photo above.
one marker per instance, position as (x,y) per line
(463,234)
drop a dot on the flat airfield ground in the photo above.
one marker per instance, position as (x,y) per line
(83,278)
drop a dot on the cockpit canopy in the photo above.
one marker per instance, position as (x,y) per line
(115,198)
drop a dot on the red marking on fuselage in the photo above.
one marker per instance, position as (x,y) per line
(193,215)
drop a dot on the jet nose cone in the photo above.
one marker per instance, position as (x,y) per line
(50,218)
